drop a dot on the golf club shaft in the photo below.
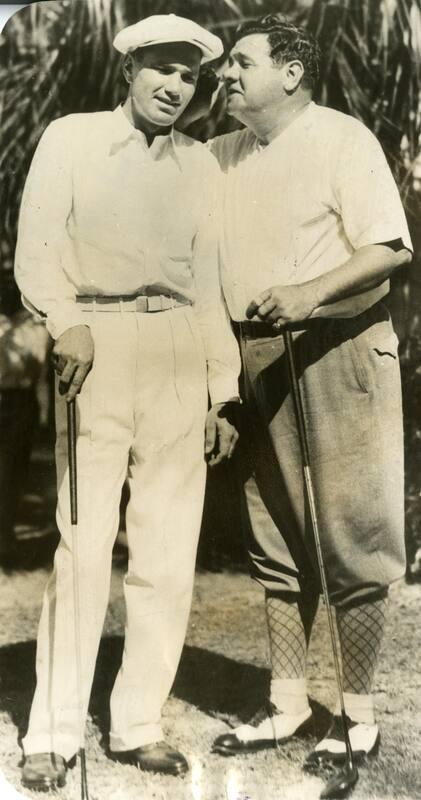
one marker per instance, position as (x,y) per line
(71,439)
(305,455)
(71,449)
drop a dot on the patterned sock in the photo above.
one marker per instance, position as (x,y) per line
(308,605)
(287,638)
(288,651)
(360,632)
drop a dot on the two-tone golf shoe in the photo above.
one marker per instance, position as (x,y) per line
(364,739)
(268,728)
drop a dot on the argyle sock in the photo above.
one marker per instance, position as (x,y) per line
(288,637)
(360,632)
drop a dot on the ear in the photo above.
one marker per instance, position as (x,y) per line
(128,67)
(294,73)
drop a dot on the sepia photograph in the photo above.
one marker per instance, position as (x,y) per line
(210,399)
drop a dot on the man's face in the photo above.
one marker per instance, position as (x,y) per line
(163,82)
(254,82)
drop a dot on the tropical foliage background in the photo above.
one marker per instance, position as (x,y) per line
(56,57)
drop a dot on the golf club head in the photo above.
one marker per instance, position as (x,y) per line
(341,784)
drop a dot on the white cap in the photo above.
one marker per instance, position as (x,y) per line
(162,28)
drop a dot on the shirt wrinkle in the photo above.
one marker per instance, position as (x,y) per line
(303,205)
(92,223)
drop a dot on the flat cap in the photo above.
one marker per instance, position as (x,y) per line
(162,28)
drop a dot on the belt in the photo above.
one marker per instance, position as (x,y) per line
(256,330)
(265,330)
(141,303)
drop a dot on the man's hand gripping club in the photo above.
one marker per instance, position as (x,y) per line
(366,269)
(72,357)
(280,305)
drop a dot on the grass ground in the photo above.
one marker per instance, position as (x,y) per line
(222,677)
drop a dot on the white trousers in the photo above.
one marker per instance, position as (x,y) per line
(141,412)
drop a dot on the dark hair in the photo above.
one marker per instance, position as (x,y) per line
(287,42)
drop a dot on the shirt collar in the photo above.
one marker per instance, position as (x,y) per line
(123,131)
(302,118)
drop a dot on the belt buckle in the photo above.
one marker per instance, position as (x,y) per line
(154,303)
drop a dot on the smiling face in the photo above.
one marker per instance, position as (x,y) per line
(255,84)
(162,82)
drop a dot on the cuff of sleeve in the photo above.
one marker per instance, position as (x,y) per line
(383,233)
(64,318)
(222,389)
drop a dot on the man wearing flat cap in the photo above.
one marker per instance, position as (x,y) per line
(117,250)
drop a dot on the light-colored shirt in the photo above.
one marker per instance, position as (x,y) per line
(104,214)
(301,205)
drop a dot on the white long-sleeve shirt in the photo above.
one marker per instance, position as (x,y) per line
(104,214)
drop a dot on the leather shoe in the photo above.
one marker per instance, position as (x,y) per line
(268,728)
(364,739)
(43,772)
(156,757)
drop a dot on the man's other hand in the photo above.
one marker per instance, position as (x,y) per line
(221,432)
(72,357)
(282,304)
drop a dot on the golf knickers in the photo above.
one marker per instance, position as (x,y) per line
(349,375)
(142,408)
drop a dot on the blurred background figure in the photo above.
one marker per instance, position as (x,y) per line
(23,351)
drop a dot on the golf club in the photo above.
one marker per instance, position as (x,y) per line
(71,441)
(341,784)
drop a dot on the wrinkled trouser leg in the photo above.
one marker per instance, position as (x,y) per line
(348,371)
(145,395)
(167,481)
(349,376)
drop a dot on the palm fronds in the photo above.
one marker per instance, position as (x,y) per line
(372,70)
(57,57)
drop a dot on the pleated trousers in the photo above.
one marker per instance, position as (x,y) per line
(141,414)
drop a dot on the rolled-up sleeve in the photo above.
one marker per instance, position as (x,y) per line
(221,348)
(367,197)
(46,206)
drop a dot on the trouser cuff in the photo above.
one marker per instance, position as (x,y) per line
(137,737)
(49,743)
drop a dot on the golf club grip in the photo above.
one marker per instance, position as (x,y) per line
(71,445)
(296,397)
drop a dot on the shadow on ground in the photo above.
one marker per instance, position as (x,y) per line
(216,685)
